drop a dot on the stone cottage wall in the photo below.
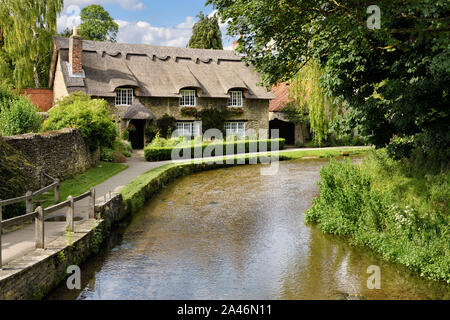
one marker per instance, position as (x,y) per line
(256,111)
(60,154)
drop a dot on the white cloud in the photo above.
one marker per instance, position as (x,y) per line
(126,4)
(140,31)
(144,32)
(70,16)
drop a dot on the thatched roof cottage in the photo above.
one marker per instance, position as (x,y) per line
(144,82)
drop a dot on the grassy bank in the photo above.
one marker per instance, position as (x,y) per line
(324,153)
(83,182)
(396,208)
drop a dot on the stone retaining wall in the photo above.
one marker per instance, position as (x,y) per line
(61,154)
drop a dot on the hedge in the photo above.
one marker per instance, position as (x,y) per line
(165,153)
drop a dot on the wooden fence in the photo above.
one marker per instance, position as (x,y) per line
(39,213)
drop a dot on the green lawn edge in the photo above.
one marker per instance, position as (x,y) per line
(83,182)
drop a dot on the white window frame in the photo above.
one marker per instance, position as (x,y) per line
(235,128)
(188,98)
(235,99)
(189,128)
(124,96)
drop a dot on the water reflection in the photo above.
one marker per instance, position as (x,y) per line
(234,234)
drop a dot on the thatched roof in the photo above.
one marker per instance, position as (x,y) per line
(138,111)
(159,71)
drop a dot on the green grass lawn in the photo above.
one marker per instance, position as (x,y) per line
(324,153)
(83,182)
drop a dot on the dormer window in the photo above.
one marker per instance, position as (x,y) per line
(235,99)
(188,98)
(124,96)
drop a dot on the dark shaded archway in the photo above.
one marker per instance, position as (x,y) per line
(137,133)
(287,130)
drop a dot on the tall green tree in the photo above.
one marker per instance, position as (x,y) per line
(206,33)
(28,27)
(97,24)
(396,75)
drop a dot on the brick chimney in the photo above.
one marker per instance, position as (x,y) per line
(75,53)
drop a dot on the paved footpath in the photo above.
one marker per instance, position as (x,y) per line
(17,243)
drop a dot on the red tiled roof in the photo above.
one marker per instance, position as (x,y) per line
(281,92)
(41,98)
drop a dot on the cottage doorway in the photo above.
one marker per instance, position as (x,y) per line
(136,132)
(286,130)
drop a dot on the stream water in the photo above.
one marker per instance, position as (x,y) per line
(236,234)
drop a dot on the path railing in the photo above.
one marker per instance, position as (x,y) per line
(39,213)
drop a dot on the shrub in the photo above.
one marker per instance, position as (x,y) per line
(18,115)
(214,118)
(91,116)
(124,147)
(393,207)
(166,125)
(150,132)
(162,149)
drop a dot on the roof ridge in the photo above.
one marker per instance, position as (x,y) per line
(151,46)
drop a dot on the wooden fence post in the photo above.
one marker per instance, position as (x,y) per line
(57,194)
(39,222)
(29,201)
(1,217)
(92,204)
(69,214)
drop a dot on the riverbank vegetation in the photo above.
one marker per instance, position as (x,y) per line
(389,64)
(399,208)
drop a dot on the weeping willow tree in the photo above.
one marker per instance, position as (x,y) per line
(27,28)
(308,98)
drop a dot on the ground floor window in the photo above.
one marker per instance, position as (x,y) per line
(235,128)
(189,128)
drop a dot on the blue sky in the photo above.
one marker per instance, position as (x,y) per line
(157,22)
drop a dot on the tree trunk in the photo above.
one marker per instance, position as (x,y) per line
(35,73)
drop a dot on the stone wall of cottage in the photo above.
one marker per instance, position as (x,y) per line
(60,154)
(256,111)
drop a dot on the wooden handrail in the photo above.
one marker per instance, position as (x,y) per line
(82,196)
(13,200)
(19,219)
(45,189)
(39,214)
(56,207)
